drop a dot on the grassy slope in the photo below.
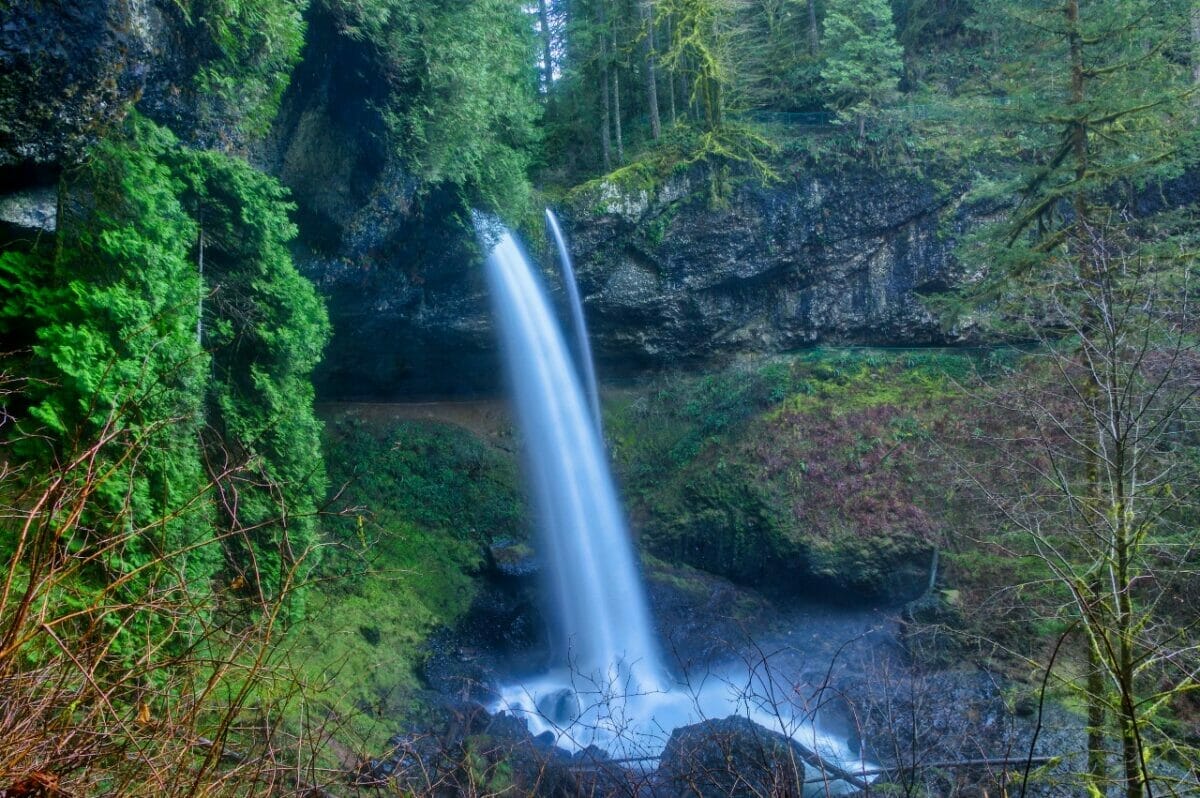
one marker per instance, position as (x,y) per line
(418,502)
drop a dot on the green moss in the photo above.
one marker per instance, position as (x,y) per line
(854,379)
(782,470)
(417,503)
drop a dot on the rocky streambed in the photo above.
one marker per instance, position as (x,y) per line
(853,670)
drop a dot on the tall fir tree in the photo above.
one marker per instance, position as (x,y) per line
(1097,112)
(863,60)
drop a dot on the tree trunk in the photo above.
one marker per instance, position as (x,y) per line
(1196,47)
(605,113)
(1097,756)
(605,122)
(671,79)
(616,98)
(814,35)
(647,15)
(616,104)
(200,301)
(547,55)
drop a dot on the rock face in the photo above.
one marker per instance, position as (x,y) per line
(67,70)
(667,281)
(839,257)
(400,271)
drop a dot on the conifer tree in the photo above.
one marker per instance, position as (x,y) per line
(1100,103)
(863,60)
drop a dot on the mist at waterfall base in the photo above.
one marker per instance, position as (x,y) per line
(610,687)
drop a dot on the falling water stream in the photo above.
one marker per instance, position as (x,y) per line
(610,687)
(587,365)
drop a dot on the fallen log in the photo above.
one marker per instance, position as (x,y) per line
(948,764)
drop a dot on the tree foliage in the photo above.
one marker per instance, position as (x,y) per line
(1099,103)
(168,407)
(462,85)
(862,69)
(113,312)
(247,49)
(265,328)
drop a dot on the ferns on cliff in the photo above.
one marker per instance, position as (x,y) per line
(462,104)
(248,50)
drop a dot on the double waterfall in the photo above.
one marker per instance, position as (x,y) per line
(609,687)
(600,609)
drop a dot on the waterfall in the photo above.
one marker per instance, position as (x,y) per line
(583,346)
(603,622)
(608,686)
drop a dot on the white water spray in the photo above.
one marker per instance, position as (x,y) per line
(609,688)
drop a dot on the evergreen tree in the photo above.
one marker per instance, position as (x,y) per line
(863,60)
(119,368)
(1098,111)
(265,328)
(190,388)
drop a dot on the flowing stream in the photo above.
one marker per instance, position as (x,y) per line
(610,687)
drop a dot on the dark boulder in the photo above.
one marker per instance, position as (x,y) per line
(462,749)
(730,758)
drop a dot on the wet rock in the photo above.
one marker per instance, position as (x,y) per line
(823,257)
(730,758)
(461,749)
(32,210)
(703,618)
(503,631)
(592,754)
(452,667)
(560,707)
(409,309)
(836,716)
(666,280)
(513,559)
(931,629)
(67,72)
